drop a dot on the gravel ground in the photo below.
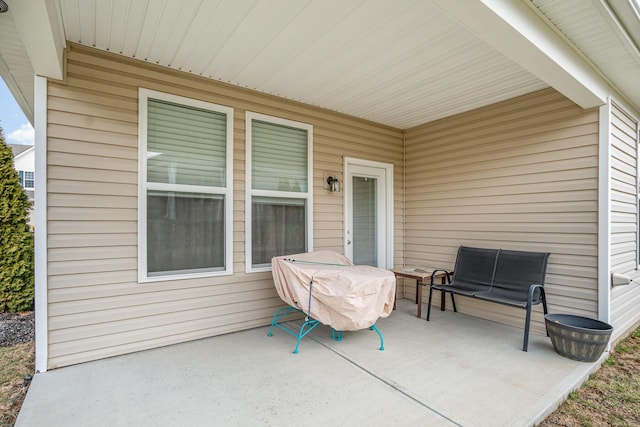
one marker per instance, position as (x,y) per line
(16,328)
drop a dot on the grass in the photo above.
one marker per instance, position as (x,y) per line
(610,397)
(15,363)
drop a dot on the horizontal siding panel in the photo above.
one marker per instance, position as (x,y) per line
(91,107)
(90,200)
(102,310)
(94,162)
(69,240)
(92,188)
(91,135)
(92,149)
(93,278)
(89,253)
(623,200)
(204,315)
(93,123)
(91,266)
(173,291)
(85,174)
(456,190)
(91,214)
(102,104)
(90,227)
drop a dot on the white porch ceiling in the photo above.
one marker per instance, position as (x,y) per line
(397,63)
(400,63)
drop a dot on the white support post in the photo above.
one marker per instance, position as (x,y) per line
(40,247)
(604,215)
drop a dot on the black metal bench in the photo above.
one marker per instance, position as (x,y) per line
(513,278)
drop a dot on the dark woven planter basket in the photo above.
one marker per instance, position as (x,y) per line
(576,337)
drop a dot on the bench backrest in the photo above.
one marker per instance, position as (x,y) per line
(475,266)
(516,271)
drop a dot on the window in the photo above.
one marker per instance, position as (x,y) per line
(279,180)
(185,191)
(21,178)
(28,179)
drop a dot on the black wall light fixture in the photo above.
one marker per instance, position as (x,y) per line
(334,184)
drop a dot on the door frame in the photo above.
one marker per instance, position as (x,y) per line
(387,169)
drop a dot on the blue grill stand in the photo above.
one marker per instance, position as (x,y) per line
(308,326)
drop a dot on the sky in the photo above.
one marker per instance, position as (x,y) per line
(16,127)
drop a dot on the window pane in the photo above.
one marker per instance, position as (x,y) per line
(185,145)
(364,221)
(278,157)
(278,228)
(185,232)
(21,177)
(29,179)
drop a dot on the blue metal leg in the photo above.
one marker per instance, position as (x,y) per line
(306,327)
(277,317)
(375,328)
(309,324)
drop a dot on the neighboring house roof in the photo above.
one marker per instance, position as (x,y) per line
(400,64)
(20,149)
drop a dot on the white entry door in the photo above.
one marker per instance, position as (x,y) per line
(368,191)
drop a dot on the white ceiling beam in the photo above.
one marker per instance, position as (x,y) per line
(513,29)
(40,28)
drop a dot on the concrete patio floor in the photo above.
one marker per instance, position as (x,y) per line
(454,370)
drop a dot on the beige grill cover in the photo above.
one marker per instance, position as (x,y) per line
(346,297)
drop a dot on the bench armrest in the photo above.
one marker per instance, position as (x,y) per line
(435,273)
(532,290)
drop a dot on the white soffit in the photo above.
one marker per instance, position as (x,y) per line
(15,66)
(593,29)
(397,63)
(515,30)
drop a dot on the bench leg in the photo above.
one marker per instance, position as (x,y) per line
(429,304)
(525,344)
(544,307)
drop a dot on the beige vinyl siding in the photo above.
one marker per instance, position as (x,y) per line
(625,300)
(97,308)
(521,174)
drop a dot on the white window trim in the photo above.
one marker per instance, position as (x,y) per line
(249,192)
(143,186)
(24,180)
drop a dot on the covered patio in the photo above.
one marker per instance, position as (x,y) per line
(454,370)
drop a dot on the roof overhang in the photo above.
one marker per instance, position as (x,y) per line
(517,32)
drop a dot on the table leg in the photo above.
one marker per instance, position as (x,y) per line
(419,296)
(442,294)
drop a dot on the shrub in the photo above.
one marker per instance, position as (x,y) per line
(16,238)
